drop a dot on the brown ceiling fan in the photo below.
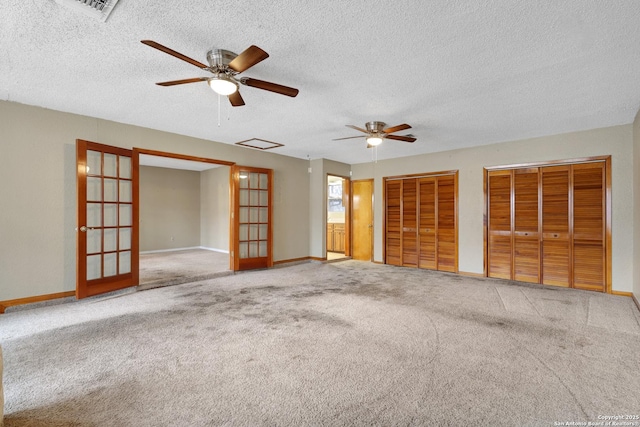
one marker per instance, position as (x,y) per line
(225,65)
(376,133)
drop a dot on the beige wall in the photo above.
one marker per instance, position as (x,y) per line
(214,209)
(38,196)
(169,208)
(636,209)
(615,141)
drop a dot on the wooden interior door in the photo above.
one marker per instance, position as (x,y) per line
(428,228)
(499,251)
(393,224)
(252,218)
(589,213)
(447,234)
(410,222)
(107,230)
(346,201)
(556,248)
(362,209)
(526,238)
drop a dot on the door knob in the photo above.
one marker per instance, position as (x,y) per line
(83,229)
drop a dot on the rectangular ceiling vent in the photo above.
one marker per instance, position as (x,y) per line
(99,9)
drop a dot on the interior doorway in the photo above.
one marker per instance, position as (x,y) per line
(338,218)
(184,219)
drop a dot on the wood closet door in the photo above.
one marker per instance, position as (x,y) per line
(446,234)
(526,239)
(427,223)
(556,248)
(499,224)
(393,216)
(589,213)
(410,222)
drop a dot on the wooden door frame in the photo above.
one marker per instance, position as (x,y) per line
(608,214)
(347,211)
(136,161)
(372,211)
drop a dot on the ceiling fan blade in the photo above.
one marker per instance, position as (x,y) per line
(183,81)
(401,138)
(357,128)
(271,87)
(247,59)
(396,128)
(173,53)
(236,99)
(349,137)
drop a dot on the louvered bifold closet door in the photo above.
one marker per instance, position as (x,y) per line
(427,226)
(526,238)
(556,247)
(410,222)
(589,226)
(447,253)
(393,217)
(499,224)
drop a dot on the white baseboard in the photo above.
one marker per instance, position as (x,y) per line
(184,249)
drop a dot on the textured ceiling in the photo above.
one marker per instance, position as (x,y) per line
(461,72)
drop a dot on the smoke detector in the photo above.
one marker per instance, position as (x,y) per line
(99,9)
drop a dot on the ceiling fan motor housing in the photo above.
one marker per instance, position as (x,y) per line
(219,59)
(375,127)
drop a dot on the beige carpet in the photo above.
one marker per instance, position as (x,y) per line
(176,267)
(336,344)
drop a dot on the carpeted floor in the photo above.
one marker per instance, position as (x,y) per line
(177,267)
(335,344)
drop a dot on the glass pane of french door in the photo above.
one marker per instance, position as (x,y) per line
(109,206)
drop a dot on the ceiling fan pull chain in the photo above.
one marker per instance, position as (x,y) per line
(218,110)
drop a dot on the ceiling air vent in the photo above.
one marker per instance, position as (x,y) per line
(99,9)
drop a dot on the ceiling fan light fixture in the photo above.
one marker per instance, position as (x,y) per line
(374,140)
(223,85)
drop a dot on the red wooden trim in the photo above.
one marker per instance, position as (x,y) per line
(346,200)
(233,230)
(182,157)
(135,218)
(608,241)
(384,223)
(457,223)
(550,163)
(469,274)
(81,213)
(485,223)
(622,293)
(421,175)
(29,300)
